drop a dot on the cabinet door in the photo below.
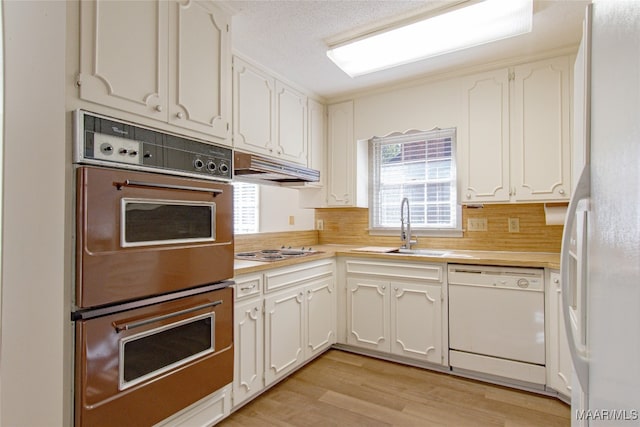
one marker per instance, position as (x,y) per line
(341,153)
(248,347)
(283,333)
(368,313)
(321,316)
(540,139)
(253,109)
(200,68)
(483,140)
(317,144)
(291,107)
(416,321)
(559,365)
(123,55)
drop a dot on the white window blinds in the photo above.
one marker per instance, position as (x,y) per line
(245,208)
(420,166)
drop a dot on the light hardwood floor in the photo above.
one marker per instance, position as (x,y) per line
(345,389)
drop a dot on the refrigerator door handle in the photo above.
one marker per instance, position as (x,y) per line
(577,349)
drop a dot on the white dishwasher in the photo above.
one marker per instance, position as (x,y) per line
(496,323)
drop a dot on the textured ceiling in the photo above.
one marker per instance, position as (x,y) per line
(289,38)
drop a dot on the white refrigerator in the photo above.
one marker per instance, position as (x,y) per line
(601,243)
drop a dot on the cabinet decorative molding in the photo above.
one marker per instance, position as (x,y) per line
(413,305)
(281,325)
(386,301)
(374,297)
(202,56)
(169,61)
(484,137)
(541,130)
(514,143)
(116,72)
(283,334)
(269,116)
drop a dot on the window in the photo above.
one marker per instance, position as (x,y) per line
(245,208)
(420,166)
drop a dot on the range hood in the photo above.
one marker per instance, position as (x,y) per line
(259,168)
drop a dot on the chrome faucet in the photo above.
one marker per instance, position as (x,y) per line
(405,235)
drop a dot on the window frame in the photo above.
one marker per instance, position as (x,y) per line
(408,137)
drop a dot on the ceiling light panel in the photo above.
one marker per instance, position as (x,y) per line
(480,23)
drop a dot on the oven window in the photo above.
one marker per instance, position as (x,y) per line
(145,355)
(156,222)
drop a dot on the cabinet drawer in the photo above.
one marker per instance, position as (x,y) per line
(247,286)
(282,278)
(430,272)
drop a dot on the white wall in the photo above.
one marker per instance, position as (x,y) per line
(277,204)
(34,349)
(422,106)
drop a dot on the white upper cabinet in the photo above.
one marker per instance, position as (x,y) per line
(541,132)
(168,61)
(123,55)
(269,116)
(347,159)
(514,139)
(199,68)
(291,107)
(254,126)
(484,138)
(341,153)
(316,140)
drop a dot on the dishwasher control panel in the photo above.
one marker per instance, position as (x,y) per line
(502,277)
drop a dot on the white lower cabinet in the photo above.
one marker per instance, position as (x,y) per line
(283,333)
(559,364)
(248,341)
(397,308)
(283,318)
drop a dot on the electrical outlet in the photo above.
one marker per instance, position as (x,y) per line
(319,224)
(292,220)
(514,225)
(477,224)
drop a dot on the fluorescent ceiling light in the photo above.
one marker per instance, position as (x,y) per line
(470,26)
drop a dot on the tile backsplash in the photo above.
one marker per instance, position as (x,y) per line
(349,226)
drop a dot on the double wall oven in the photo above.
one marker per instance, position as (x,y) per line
(153,309)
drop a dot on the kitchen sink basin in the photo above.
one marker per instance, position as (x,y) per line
(423,252)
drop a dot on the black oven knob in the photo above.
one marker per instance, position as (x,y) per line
(224,168)
(123,151)
(147,155)
(133,153)
(211,166)
(198,164)
(106,148)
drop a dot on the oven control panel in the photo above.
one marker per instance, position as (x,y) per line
(105,141)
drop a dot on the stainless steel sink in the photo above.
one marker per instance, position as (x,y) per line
(423,252)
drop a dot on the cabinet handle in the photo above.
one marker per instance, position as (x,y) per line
(256,309)
(179,115)
(384,288)
(556,281)
(468,196)
(561,191)
(246,288)
(159,108)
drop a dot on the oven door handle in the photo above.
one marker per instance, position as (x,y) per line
(127,326)
(130,183)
